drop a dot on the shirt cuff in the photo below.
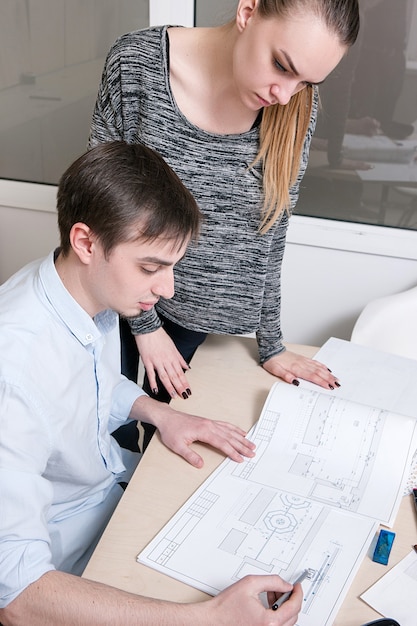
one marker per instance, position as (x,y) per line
(124,396)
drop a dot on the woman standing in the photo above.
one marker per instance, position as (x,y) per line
(232,109)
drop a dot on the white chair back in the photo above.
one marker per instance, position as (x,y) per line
(389,324)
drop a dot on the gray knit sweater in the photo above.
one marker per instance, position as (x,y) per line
(229,281)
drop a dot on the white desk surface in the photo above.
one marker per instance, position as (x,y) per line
(227,383)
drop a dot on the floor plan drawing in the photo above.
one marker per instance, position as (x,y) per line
(316,459)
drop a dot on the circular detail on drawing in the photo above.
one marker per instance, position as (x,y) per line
(280,521)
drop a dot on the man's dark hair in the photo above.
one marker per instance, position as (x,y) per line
(125,192)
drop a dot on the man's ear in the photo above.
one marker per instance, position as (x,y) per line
(245,10)
(82,241)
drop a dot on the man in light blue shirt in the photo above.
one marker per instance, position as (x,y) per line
(125,219)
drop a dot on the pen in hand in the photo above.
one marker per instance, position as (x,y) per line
(308,573)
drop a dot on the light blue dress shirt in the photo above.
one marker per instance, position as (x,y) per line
(61,395)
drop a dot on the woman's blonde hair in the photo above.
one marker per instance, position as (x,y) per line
(284,127)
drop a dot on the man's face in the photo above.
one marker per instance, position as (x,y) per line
(133,276)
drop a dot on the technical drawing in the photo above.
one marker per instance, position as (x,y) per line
(305,501)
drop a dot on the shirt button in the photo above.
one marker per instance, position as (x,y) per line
(89,337)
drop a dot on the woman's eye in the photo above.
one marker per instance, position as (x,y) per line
(279,66)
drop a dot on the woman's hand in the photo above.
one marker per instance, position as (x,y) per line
(291,366)
(160,356)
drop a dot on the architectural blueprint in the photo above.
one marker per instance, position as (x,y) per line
(310,498)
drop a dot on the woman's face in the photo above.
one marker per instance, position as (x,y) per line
(275,58)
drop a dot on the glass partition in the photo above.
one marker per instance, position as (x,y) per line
(362,163)
(51,57)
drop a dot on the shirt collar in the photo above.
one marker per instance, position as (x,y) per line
(81,325)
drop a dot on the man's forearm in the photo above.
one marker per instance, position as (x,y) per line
(59,599)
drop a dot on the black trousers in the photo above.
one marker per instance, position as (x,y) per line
(186,342)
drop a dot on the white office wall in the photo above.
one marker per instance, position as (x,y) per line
(330,271)
(28,225)
(166,12)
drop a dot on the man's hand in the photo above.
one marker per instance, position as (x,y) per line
(160,356)
(291,366)
(179,430)
(240,603)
